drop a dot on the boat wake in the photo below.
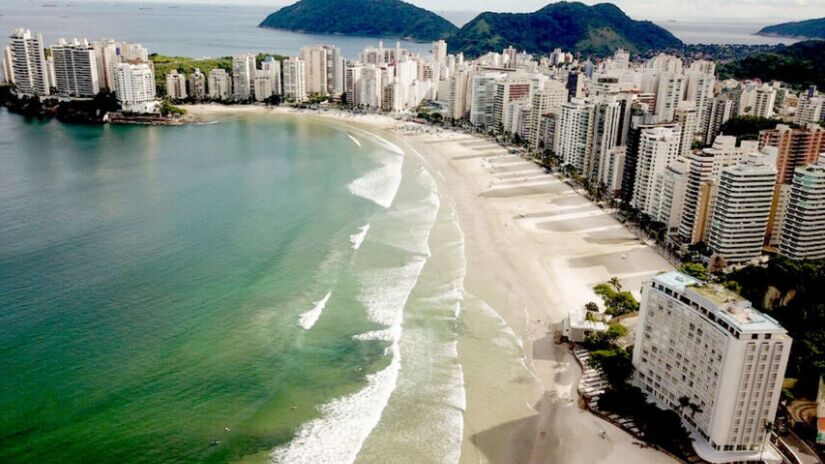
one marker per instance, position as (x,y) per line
(358,239)
(309,318)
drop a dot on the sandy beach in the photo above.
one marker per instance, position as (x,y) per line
(535,248)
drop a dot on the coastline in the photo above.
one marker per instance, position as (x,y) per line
(534,250)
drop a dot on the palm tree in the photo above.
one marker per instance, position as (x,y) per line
(770,427)
(614,281)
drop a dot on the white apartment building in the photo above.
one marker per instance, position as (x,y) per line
(574,139)
(133,52)
(687,117)
(658,147)
(272,68)
(197,84)
(136,87)
(606,130)
(704,170)
(803,230)
(243,76)
(28,63)
(704,343)
(809,110)
(483,98)
(669,93)
(720,110)
(669,194)
(75,69)
(764,102)
(700,83)
(176,85)
(107,57)
(294,79)
(316,73)
(741,209)
(548,99)
(219,84)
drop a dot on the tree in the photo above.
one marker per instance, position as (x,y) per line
(695,270)
(606,340)
(592,307)
(616,283)
(615,364)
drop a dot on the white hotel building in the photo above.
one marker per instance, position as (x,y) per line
(705,343)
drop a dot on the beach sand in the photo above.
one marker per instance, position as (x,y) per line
(535,248)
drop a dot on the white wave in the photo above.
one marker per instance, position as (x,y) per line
(354,140)
(358,239)
(381,184)
(309,318)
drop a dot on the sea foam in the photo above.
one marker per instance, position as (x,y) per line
(309,318)
(380,185)
(358,239)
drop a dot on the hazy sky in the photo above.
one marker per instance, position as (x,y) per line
(768,10)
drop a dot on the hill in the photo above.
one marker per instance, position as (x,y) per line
(810,29)
(800,64)
(372,18)
(597,30)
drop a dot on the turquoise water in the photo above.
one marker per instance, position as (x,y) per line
(153,282)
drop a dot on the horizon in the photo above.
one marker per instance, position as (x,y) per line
(663,10)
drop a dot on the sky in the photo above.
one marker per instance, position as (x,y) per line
(770,11)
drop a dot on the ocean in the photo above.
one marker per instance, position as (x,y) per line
(261,289)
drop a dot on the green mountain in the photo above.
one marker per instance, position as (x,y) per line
(810,29)
(373,18)
(598,29)
(800,64)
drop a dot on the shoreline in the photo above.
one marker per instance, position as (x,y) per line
(547,246)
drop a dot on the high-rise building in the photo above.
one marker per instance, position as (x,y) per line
(795,148)
(134,52)
(7,66)
(809,110)
(670,190)
(294,79)
(271,71)
(640,118)
(701,80)
(575,85)
(197,84)
(688,118)
(703,344)
(606,126)
(483,98)
(220,84)
(28,63)
(802,234)
(741,209)
(176,85)
(764,102)
(658,147)
(574,139)
(720,110)
(549,99)
(243,76)
(135,87)
(107,57)
(509,91)
(75,69)
(668,96)
(316,72)
(704,169)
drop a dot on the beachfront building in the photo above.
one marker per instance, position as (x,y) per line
(133,52)
(220,84)
(551,95)
(706,353)
(507,91)
(803,231)
(574,139)
(741,209)
(176,85)
(658,147)
(6,65)
(272,68)
(483,97)
(28,63)
(197,84)
(136,87)
(243,76)
(294,79)
(75,69)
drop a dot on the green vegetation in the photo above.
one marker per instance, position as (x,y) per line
(811,29)
(606,340)
(800,64)
(597,30)
(747,127)
(617,302)
(372,18)
(165,64)
(695,270)
(791,292)
(167,109)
